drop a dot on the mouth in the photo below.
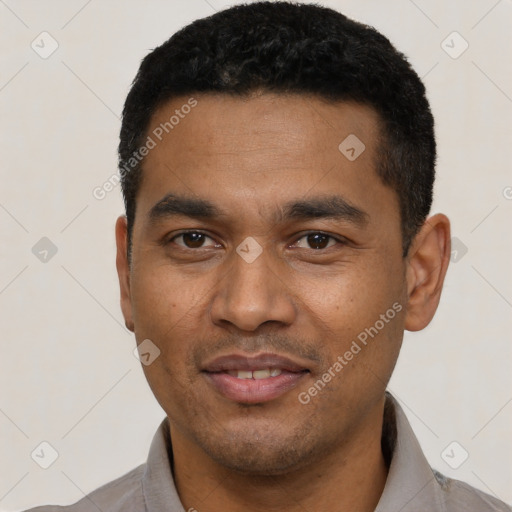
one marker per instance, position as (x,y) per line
(254,379)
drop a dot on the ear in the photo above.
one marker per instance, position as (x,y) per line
(427,263)
(123,271)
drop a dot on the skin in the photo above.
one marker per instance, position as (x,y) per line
(250,157)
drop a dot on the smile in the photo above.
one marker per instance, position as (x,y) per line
(256,374)
(253,379)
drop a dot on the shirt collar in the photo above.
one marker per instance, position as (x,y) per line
(158,487)
(411,484)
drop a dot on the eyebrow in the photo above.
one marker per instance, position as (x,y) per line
(322,207)
(329,207)
(173,205)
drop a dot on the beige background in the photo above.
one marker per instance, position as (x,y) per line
(67,372)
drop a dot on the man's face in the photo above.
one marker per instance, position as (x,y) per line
(297,252)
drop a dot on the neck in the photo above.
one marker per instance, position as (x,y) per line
(351,477)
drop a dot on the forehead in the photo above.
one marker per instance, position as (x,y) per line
(288,125)
(261,150)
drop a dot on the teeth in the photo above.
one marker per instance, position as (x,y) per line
(243,374)
(261,374)
(257,374)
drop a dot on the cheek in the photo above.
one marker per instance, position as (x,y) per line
(165,300)
(351,297)
(357,312)
(169,310)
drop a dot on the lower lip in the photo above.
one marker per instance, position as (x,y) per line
(254,391)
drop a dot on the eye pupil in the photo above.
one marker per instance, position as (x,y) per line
(193,240)
(318,241)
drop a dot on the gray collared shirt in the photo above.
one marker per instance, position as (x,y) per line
(411,485)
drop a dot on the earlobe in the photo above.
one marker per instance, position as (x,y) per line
(123,271)
(427,264)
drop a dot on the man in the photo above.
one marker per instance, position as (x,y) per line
(277,164)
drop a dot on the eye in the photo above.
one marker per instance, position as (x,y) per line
(193,240)
(316,241)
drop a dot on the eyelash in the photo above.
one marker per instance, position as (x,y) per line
(339,240)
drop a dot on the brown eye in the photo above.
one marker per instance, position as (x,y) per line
(316,241)
(192,240)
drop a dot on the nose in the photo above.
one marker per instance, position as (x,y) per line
(252,294)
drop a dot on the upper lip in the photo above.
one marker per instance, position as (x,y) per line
(253,363)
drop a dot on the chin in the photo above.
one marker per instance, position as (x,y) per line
(256,453)
(261,463)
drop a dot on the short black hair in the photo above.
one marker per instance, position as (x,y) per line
(290,48)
